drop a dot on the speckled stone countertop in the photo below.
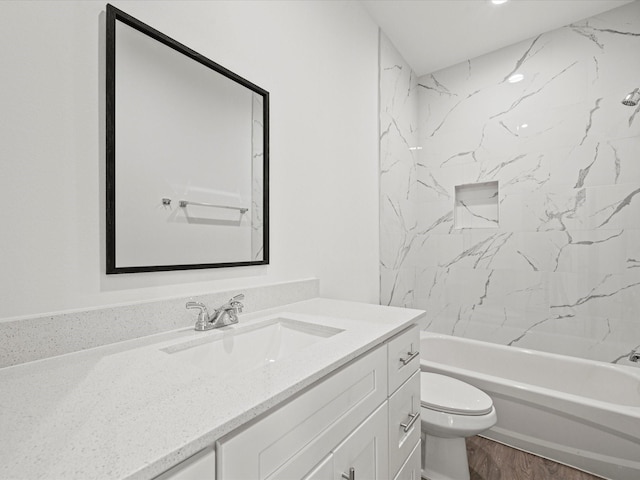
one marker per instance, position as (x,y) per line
(131,410)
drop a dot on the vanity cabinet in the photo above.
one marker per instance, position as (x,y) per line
(361,421)
(340,394)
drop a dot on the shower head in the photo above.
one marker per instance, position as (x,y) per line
(632,99)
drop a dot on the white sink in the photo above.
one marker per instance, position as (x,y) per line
(241,348)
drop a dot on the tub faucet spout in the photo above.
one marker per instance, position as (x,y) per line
(634,356)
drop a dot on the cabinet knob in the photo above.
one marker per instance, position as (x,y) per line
(351,475)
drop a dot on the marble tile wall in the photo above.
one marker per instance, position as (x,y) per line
(257,178)
(398,175)
(560,270)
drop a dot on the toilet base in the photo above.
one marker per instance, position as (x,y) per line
(444,458)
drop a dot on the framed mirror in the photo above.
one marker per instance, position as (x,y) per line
(187,156)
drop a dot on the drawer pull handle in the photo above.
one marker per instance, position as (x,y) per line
(413,417)
(411,356)
(351,475)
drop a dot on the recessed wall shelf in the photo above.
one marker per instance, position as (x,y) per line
(476,205)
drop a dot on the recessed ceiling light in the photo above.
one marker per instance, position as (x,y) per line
(499,2)
(515,78)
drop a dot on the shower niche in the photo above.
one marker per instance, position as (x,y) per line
(476,205)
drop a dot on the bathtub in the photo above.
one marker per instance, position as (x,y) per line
(582,413)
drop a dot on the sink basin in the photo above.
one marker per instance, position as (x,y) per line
(243,348)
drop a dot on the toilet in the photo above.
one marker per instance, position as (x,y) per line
(450,411)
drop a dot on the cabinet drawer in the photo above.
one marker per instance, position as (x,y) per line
(294,437)
(404,357)
(404,422)
(411,470)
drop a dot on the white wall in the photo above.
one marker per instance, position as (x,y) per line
(318,60)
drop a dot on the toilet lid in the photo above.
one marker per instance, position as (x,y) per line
(449,395)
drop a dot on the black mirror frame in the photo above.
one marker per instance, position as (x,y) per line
(113,15)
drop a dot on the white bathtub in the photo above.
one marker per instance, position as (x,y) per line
(578,412)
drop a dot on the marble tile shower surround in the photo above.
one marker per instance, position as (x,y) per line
(398,174)
(561,273)
(39,337)
(257,176)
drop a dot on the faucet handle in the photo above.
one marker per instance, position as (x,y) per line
(236,304)
(203,315)
(201,306)
(237,307)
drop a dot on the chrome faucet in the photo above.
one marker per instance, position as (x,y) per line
(226,314)
(634,356)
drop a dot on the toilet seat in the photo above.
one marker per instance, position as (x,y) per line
(449,395)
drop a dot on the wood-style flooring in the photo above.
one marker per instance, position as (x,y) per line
(489,460)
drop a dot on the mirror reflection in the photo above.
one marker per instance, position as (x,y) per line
(187,157)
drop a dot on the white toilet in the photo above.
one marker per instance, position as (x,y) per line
(451,410)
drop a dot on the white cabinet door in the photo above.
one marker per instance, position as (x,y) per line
(365,450)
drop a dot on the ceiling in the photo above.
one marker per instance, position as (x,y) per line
(435,34)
